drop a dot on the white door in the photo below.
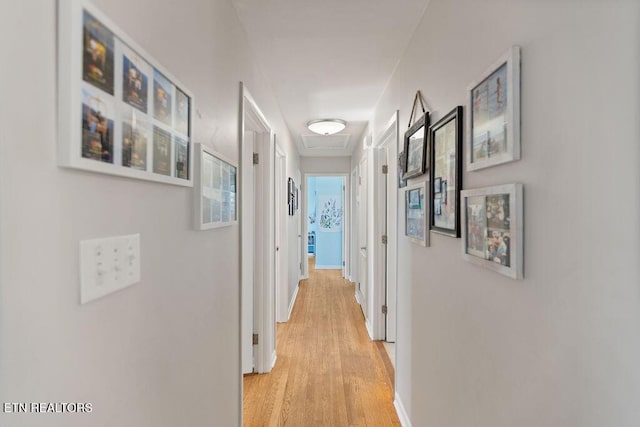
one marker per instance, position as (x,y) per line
(363,288)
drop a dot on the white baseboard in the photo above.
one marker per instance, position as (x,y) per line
(402,413)
(328,267)
(274,358)
(293,301)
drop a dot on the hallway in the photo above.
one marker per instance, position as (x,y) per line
(328,372)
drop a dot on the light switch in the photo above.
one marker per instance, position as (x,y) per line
(108,265)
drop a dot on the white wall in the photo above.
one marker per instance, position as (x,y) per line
(164,352)
(325,164)
(561,347)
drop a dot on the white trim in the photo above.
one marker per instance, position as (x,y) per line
(401,411)
(293,301)
(328,267)
(259,274)
(385,255)
(274,359)
(281,236)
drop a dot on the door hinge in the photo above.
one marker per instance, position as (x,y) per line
(385,169)
(384,309)
(256,158)
(385,239)
(343,263)
(300,266)
(256,339)
(360,180)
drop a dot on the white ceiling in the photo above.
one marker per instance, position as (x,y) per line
(329,59)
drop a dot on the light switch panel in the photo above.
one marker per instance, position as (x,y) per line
(108,265)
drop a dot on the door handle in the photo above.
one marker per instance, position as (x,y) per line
(364,248)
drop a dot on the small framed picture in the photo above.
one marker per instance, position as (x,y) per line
(446,168)
(415,214)
(216,188)
(402,162)
(494,119)
(291,185)
(437,184)
(492,228)
(443,191)
(415,147)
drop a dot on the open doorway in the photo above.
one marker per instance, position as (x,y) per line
(257,231)
(326,225)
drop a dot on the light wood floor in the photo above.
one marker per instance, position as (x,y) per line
(328,371)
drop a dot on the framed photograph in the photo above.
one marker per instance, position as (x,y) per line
(120,112)
(446,167)
(402,161)
(494,119)
(492,228)
(437,185)
(216,185)
(291,196)
(415,148)
(416,215)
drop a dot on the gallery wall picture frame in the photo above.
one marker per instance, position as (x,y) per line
(290,196)
(216,189)
(402,162)
(119,111)
(446,167)
(416,205)
(494,114)
(492,230)
(415,148)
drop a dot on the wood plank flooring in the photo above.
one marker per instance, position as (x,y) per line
(328,372)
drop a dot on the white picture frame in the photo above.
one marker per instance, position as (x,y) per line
(216,189)
(119,111)
(416,206)
(493,126)
(492,228)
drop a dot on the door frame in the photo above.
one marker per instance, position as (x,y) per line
(346,220)
(282,288)
(353,236)
(385,282)
(362,213)
(259,274)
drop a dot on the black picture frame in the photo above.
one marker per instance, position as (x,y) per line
(416,151)
(445,139)
(290,196)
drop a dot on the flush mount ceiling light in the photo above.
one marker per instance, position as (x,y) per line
(326,126)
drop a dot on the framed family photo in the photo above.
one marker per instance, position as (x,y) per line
(415,148)
(120,112)
(216,190)
(494,119)
(446,174)
(415,214)
(492,228)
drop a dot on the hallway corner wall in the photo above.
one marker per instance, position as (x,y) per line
(164,352)
(559,348)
